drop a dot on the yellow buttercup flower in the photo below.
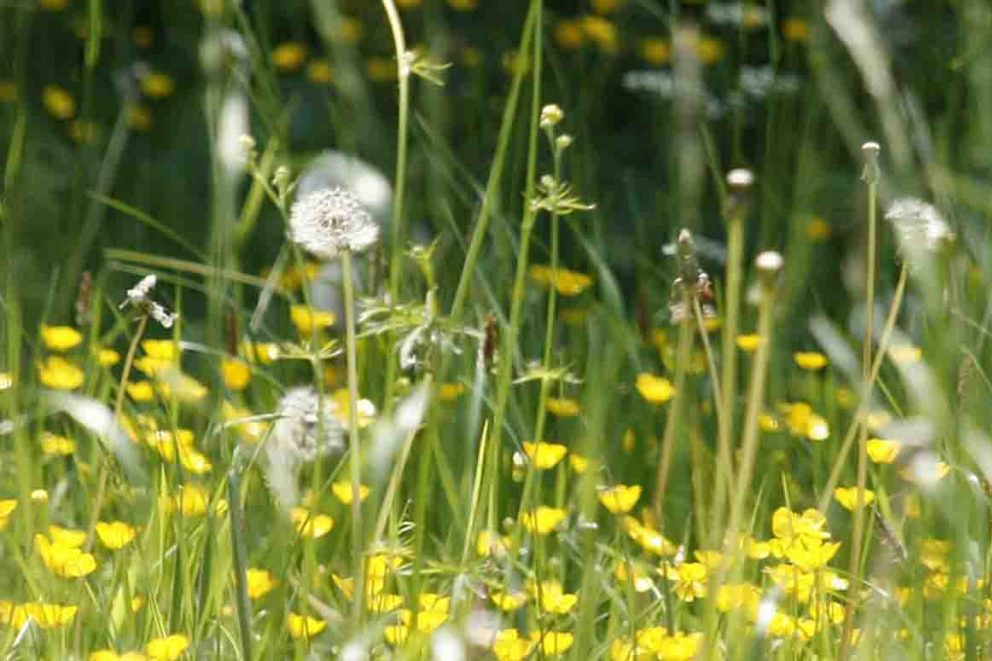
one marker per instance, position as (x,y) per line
(7,507)
(59,103)
(320,72)
(563,407)
(803,422)
(655,51)
(543,520)
(192,500)
(491,543)
(602,32)
(289,56)
(6,381)
(67,537)
(342,491)
(366,410)
(552,598)
(748,343)
(45,615)
(882,451)
(680,646)
(554,642)
(168,648)
(621,498)
(848,497)
(235,372)
(509,646)
(60,338)
(568,283)
(107,357)
(654,389)
(569,34)
(578,463)
(385,603)
(311,524)
(544,456)
(810,360)
(648,538)
(58,373)
(795,29)
(140,391)
(304,627)
(448,392)
(690,579)
(54,445)
(306,320)
(738,596)
(817,229)
(260,582)
(508,601)
(157,85)
(115,534)
(64,561)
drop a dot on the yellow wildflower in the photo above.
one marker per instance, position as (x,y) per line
(848,497)
(341,405)
(655,51)
(303,626)
(235,372)
(748,343)
(734,596)
(64,561)
(260,582)
(168,648)
(543,520)
(107,357)
(157,85)
(544,456)
(140,391)
(795,29)
(563,407)
(385,602)
(60,338)
(6,381)
(810,360)
(192,500)
(289,56)
(552,598)
(654,389)
(54,445)
(554,642)
(621,498)
(112,655)
(803,422)
(343,492)
(59,374)
(320,72)
(7,507)
(448,392)
(578,463)
(306,320)
(648,538)
(680,646)
(311,524)
(509,646)
(817,229)
(508,601)
(568,283)
(601,32)
(690,579)
(59,103)
(115,534)
(491,543)
(569,34)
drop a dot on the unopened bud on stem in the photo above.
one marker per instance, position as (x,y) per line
(871,172)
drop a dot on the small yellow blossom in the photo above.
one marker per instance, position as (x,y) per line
(810,360)
(449,392)
(235,372)
(795,29)
(60,338)
(508,645)
(882,451)
(568,34)
(343,492)
(115,534)
(140,391)
(320,72)
(168,648)
(45,615)
(58,373)
(552,598)
(544,456)
(848,497)
(289,56)
(817,229)
(341,406)
(64,561)
(654,389)
(54,445)
(748,343)
(554,643)
(602,32)
(568,283)
(803,422)
(260,582)
(307,320)
(304,627)
(621,498)
(578,463)
(311,524)
(563,407)
(7,507)
(107,357)
(690,579)
(112,655)
(157,85)
(6,381)
(491,543)
(543,520)
(508,601)
(59,103)
(192,500)
(655,51)
(648,538)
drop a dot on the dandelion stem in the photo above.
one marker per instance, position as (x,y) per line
(862,410)
(354,445)
(239,559)
(728,383)
(672,417)
(855,567)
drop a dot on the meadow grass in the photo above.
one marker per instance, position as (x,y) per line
(665,335)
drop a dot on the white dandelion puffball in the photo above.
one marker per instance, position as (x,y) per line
(919,225)
(306,426)
(330,221)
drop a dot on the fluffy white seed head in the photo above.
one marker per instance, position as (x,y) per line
(330,221)
(918,225)
(306,426)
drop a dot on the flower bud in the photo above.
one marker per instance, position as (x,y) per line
(769,265)
(871,172)
(551,116)
(563,142)
(739,184)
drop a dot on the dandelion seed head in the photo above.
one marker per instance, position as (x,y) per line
(306,426)
(919,226)
(740,178)
(330,221)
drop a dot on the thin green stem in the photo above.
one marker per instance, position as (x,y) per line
(354,444)
(735,250)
